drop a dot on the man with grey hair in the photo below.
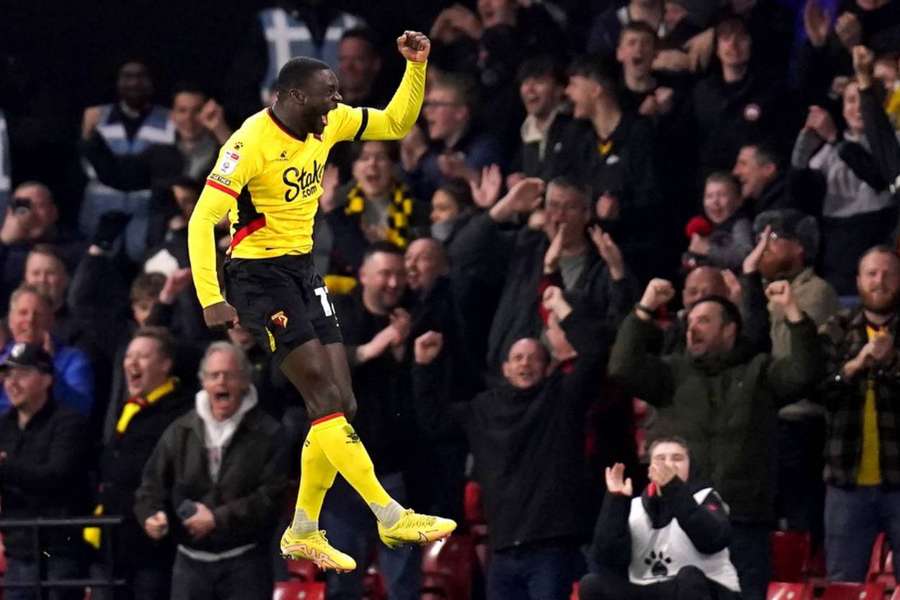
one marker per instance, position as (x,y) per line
(786,249)
(215,483)
(561,253)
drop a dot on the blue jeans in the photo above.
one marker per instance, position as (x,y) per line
(535,572)
(750,556)
(853,519)
(26,571)
(352,529)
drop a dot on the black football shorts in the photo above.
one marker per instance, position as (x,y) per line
(282,301)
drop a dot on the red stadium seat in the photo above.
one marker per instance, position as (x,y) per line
(374,587)
(299,590)
(790,554)
(472,507)
(881,564)
(304,570)
(447,568)
(853,591)
(781,590)
(879,552)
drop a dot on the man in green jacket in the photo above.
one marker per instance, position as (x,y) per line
(723,399)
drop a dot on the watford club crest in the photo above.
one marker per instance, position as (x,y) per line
(279,319)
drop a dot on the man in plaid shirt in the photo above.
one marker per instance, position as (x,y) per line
(862,396)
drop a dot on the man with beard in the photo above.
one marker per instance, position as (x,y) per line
(787,246)
(722,398)
(862,459)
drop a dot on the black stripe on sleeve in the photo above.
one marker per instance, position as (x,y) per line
(362,125)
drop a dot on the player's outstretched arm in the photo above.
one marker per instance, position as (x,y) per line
(396,120)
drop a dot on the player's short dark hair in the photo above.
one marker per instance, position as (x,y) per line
(147,286)
(639,27)
(382,247)
(730,312)
(460,191)
(541,66)
(297,71)
(596,69)
(362,33)
(161,335)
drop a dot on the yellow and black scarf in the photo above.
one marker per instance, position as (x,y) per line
(399,212)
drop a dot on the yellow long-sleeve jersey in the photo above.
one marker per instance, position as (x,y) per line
(269,182)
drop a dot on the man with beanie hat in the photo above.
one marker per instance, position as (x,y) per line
(788,242)
(43,473)
(787,246)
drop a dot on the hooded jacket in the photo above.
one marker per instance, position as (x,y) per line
(245,497)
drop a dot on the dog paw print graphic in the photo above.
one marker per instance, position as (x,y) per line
(658,563)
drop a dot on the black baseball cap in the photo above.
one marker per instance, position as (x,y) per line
(29,356)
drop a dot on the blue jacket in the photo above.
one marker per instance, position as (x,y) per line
(73,379)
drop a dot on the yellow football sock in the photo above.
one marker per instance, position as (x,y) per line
(316,478)
(337,439)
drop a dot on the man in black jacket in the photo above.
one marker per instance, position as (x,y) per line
(527,437)
(155,399)
(216,481)
(542,90)
(612,152)
(737,102)
(671,542)
(43,472)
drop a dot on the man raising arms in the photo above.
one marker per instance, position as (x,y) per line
(269,179)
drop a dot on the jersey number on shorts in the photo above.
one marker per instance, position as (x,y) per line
(327,306)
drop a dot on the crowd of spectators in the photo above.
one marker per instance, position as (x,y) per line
(641,249)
